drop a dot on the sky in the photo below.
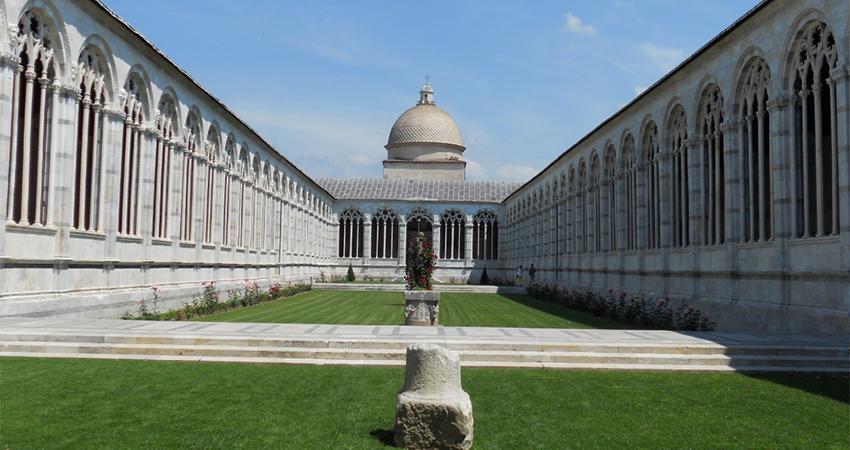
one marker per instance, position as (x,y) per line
(323,81)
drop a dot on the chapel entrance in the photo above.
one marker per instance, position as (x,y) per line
(414,227)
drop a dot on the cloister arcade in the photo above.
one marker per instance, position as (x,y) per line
(726,183)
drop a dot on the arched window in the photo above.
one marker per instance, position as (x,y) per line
(131,155)
(211,153)
(32,116)
(263,207)
(595,189)
(187,194)
(581,217)
(714,180)
(610,183)
(452,235)
(384,234)
(815,165)
(677,136)
(89,78)
(351,234)
(166,127)
(230,163)
(254,204)
(755,153)
(485,236)
(652,158)
(244,170)
(630,191)
(571,211)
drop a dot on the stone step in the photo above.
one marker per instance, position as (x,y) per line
(400,363)
(478,356)
(456,345)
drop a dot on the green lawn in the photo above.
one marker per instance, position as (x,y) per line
(54,403)
(386,308)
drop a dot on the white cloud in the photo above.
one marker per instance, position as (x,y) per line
(664,58)
(575,25)
(516,172)
(639,89)
(474,170)
(323,143)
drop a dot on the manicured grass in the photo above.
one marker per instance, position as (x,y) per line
(386,308)
(50,403)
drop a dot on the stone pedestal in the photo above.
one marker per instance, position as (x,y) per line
(432,410)
(421,307)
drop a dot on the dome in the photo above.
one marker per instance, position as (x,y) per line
(425,123)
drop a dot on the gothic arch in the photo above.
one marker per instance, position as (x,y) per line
(745,60)
(47,11)
(168,115)
(192,132)
(670,112)
(798,27)
(108,59)
(137,77)
(169,104)
(707,81)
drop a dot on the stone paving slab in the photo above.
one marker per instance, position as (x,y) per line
(11,326)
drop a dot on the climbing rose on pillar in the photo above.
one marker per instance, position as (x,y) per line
(420,265)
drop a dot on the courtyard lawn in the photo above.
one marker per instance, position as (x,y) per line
(386,308)
(64,403)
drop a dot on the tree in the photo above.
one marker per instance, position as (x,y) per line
(350,275)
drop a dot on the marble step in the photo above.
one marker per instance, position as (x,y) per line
(509,358)
(400,363)
(401,344)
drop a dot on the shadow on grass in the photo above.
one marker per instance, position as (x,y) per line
(834,387)
(567,313)
(385,437)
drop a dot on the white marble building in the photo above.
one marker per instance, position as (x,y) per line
(725,184)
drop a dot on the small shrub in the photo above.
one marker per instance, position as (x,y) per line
(484,278)
(350,275)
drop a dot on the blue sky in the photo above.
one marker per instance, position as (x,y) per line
(324,81)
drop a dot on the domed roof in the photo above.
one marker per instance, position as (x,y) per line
(425,123)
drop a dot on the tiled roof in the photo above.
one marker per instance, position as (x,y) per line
(419,190)
(425,123)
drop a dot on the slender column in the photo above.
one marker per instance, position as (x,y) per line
(762,200)
(804,100)
(126,148)
(53,145)
(818,159)
(43,83)
(95,168)
(792,128)
(833,116)
(719,214)
(83,155)
(467,236)
(13,154)
(29,77)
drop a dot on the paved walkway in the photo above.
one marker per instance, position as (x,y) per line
(14,326)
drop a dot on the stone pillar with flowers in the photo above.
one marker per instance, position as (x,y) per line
(421,303)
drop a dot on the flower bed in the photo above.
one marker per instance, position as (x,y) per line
(209,301)
(636,309)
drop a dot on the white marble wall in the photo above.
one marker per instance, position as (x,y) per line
(781,283)
(57,267)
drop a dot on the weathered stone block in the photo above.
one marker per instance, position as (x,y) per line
(421,307)
(432,410)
